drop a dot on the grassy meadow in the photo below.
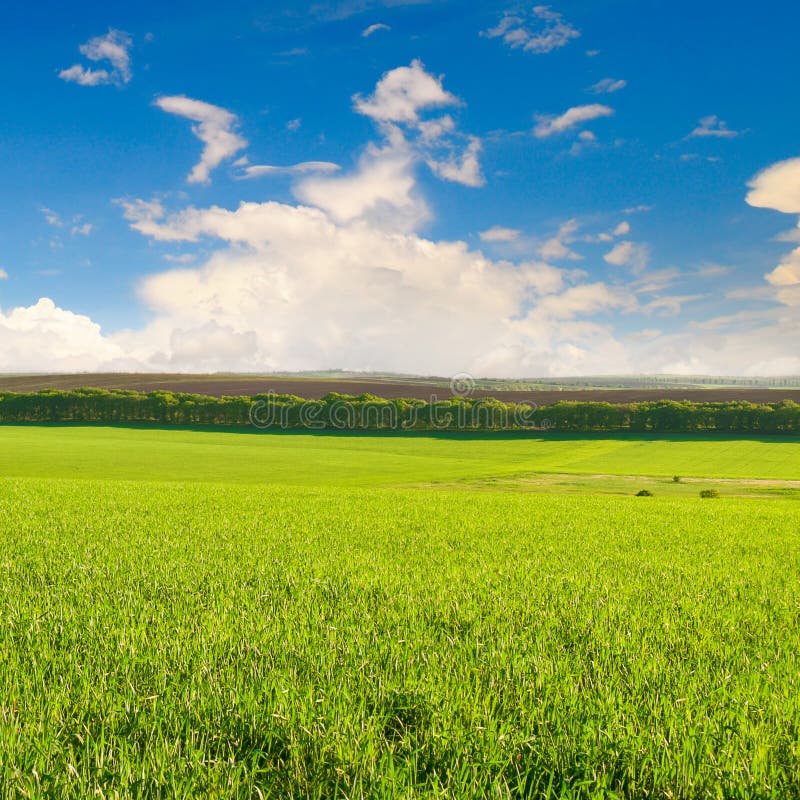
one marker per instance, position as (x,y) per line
(234,615)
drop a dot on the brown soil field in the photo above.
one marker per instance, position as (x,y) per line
(314,388)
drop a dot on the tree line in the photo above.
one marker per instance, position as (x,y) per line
(368,412)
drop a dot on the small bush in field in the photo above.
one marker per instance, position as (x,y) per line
(644,493)
(709,493)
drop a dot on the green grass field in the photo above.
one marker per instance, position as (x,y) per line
(385,460)
(193,614)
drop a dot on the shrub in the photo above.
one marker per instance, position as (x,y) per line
(676,478)
(644,493)
(709,493)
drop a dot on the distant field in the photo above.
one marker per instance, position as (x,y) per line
(392,387)
(387,460)
(240,615)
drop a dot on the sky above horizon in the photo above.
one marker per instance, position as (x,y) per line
(418,186)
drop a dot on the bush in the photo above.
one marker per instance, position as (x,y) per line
(676,478)
(709,493)
(644,493)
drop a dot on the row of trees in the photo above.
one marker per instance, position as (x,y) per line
(368,412)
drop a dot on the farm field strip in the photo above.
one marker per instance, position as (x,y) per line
(294,458)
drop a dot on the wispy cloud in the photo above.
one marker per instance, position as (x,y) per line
(114,48)
(608,86)
(499,234)
(260,170)
(52,217)
(713,126)
(548,124)
(378,26)
(541,30)
(215,129)
(3,275)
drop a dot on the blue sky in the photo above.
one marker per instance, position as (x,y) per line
(498,188)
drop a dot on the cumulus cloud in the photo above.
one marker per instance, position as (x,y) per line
(628,254)
(215,128)
(713,126)
(402,93)
(787,273)
(3,275)
(548,125)
(378,26)
(45,338)
(622,229)
(420,305)
(778,188)
(499,234)
(383,187)
(608,86)
(114,47)
(461,168)
(556,248)
(541,30)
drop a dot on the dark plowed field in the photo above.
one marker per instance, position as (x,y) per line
(313,388)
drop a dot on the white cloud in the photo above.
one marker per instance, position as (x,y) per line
(420,305)
(628,254)
(556,248)
(656,280)
(641,209)
(777,187)
(608,86)
(540,31)
(461,168)
(499,234)
(52,217)
(671,304)
(294,125)
(787,273)
(45,338)
(792,235)
(402,93)
(82,230)
(378,26)
(383,187)
(713,126)
(623,229)
(548,125)
(114,48)
(215,129)
(3,275)
(713,271)
(260,170)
